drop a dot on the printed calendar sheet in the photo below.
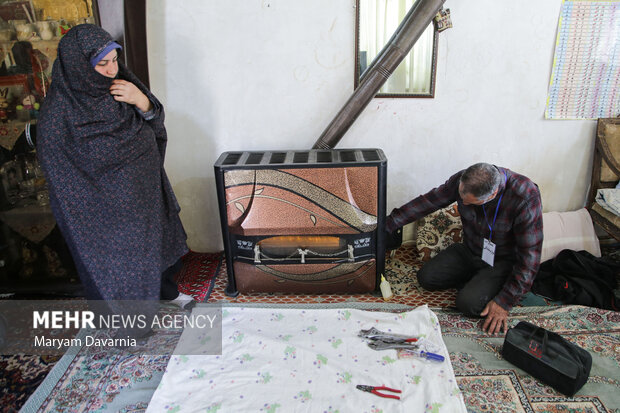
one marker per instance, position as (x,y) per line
(585,78)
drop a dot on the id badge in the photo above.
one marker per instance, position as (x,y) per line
(488,252)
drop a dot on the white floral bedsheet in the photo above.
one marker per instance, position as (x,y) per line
(296,360)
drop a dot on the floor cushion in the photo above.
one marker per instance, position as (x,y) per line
(572,230)
(438,230)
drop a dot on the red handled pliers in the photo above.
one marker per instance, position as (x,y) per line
(373,390)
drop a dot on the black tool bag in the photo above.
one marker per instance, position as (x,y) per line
(548,357)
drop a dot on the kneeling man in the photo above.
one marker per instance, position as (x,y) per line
(495,266)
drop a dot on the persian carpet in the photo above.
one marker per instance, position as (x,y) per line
(491,384)
(20,375)
(488,383)
(131,382)
(197,276)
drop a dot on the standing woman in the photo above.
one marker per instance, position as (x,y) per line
(101,141)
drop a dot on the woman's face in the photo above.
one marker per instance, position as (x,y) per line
(108,66)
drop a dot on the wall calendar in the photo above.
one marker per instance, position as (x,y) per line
(585,79)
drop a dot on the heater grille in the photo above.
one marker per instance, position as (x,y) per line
(297,158)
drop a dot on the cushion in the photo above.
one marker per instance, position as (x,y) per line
(438,230)
(571,230)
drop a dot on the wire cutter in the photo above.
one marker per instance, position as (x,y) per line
(374,390)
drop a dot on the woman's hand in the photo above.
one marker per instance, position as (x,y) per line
(124,91)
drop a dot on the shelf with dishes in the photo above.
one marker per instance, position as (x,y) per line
(34,258)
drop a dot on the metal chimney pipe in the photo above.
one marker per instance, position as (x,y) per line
(411,28)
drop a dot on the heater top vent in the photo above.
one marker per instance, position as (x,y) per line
(293,158)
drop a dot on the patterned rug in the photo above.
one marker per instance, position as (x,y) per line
(489,384)
(197,276)
(126,385)
(20,375)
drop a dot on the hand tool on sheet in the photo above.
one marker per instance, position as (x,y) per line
(375,390)
(375,334)
(382,345)
(378,340)
(407,347)
(427,355)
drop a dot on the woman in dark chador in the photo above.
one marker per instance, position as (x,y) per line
(101,142)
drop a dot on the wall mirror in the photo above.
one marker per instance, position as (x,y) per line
(376,22)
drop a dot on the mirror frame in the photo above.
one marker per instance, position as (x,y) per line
(357,74)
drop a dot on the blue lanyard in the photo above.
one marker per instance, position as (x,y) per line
(496,209)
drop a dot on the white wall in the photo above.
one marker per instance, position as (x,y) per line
(271,74)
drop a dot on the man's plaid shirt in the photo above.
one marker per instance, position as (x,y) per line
(517,234)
